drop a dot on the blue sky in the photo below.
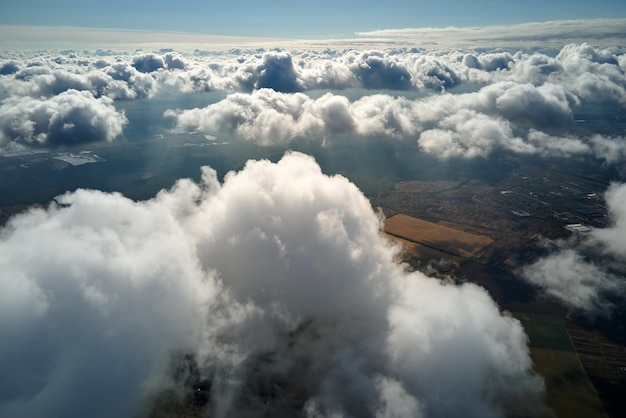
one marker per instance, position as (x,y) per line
(283,18)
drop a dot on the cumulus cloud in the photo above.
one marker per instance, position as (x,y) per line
(291,72)
(148,63)
(376,71)
(92,305)
(575,281)
(527,101)
(278,279)
(591,73)
(70,118)
(488,61)
(467,134)
(594,74)
(593,271)
(117,80)
(10,67)
(502,116)
(269,117)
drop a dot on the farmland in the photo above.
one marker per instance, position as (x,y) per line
(485,229)
(438,237)
(569,391)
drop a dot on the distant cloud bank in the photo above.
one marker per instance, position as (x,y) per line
(455,104)
(552,34)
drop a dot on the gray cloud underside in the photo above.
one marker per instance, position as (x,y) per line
(69,118)
(279,276)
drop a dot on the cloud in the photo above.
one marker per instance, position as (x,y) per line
(613,238)
(523,104)
(174,60)
(290,72)
(594,74)
(70,118)
(277,72)
(468,134)
(269,117)
(151,62)
(552,34)
(502,116)
(573,280)
(546,106)
(10,67)
(590,73)
(468,125)
(592,272)
(95,294)
(527,100)
(489,61)
(117,80)
(278,279)
(148,63)
(374,70)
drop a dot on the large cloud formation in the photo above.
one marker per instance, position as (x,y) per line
(69,118)
(502,116)
(113,79)
(594,74)
(269,117)
(527,102)
(279,285)
(589,273)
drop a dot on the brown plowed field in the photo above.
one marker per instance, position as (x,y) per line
(443,238)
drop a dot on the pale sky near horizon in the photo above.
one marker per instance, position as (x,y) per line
(283,18)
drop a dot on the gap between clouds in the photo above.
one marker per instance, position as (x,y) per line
(592,271)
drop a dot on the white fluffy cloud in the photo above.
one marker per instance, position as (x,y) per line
(591,73)
(573,280)
(114,79)
(278,278)
(588,274)
(468,134)
(527,101)
(594,74)
(70,118)
(269,117)
(502,116)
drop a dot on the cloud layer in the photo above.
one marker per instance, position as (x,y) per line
(502,116)
(456,104)
(278,278)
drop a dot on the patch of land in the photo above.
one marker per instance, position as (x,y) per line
(524,210)
(441,238)
(569,392)
(419,256)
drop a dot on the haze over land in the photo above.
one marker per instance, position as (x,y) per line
(205,228)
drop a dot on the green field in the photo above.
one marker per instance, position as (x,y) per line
(546,332)
(569,392)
